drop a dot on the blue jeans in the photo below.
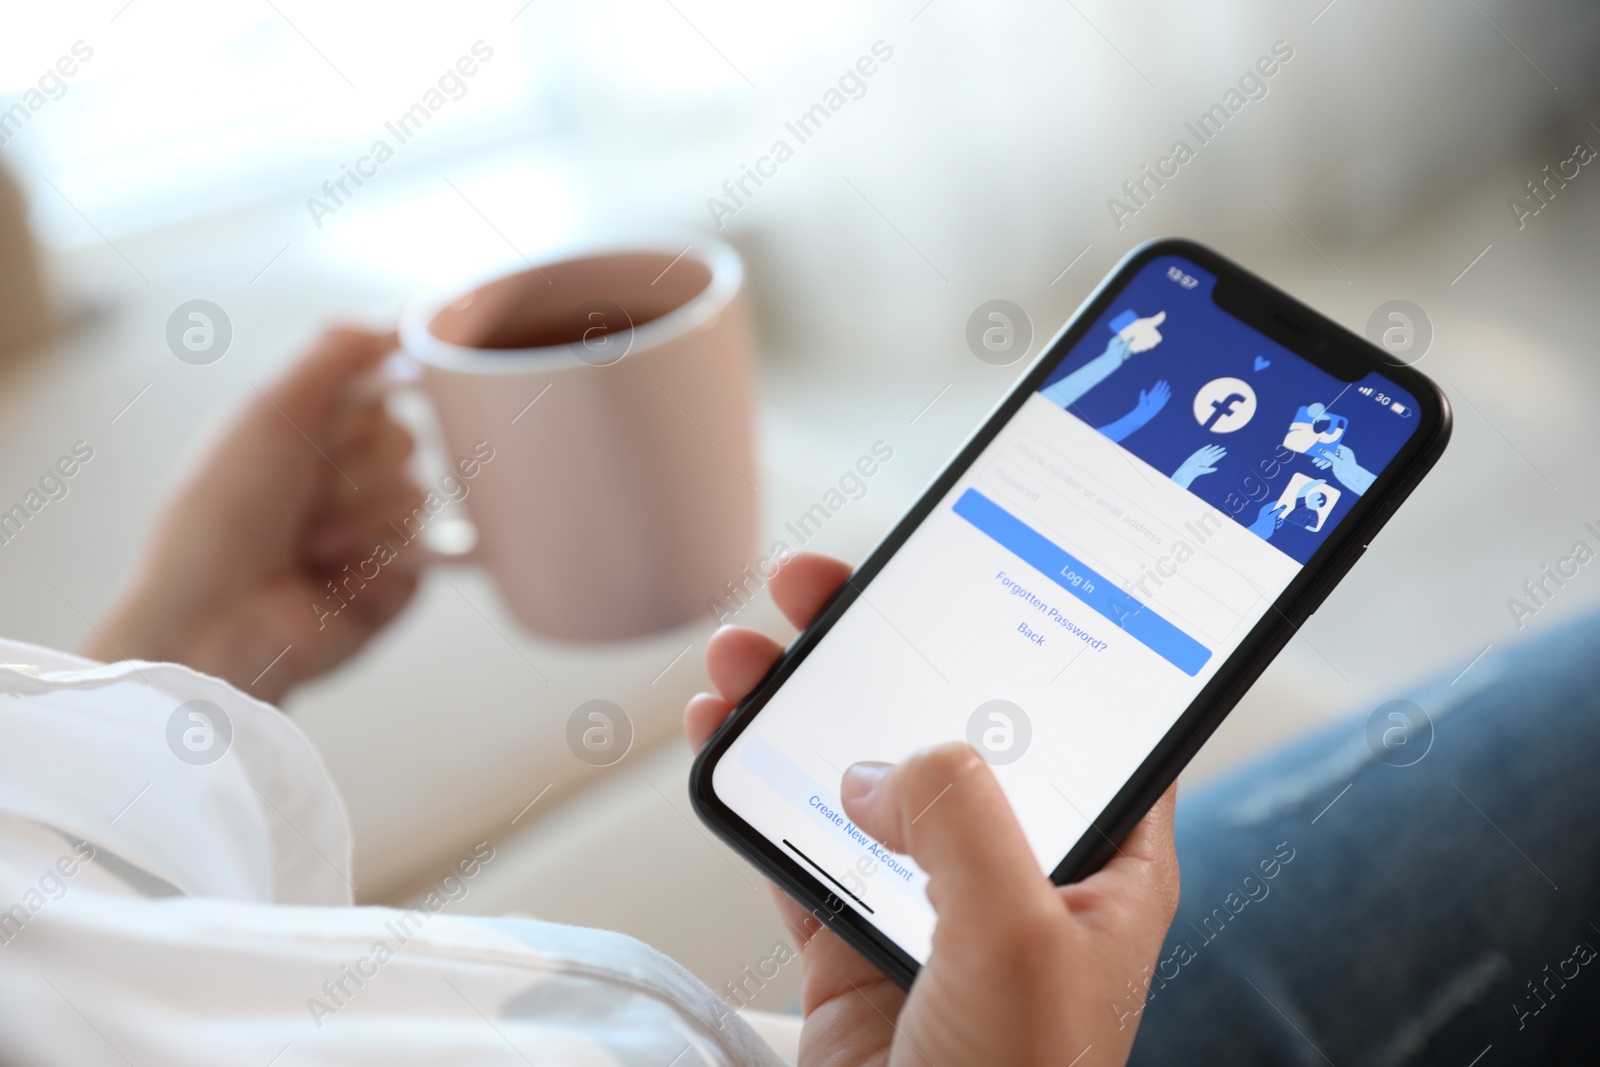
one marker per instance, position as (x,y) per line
(1361,902)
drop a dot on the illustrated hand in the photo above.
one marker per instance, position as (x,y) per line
(1203,461)
(1151,401)
(1142,334)
(296,493)
(1149,405)
(1268,519)
(1021,971)
(1342,458)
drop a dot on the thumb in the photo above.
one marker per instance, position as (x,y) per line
(944,808)
(1157,319)
(323,377)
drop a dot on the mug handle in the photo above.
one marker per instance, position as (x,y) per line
(449,536)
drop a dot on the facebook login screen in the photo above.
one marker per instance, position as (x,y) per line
(1072,593)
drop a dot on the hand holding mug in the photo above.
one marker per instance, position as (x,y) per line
(262,570)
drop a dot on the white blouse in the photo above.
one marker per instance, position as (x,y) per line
(175,889)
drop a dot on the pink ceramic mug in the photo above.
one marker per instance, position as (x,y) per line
(613,386)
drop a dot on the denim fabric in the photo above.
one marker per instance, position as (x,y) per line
(1432,913)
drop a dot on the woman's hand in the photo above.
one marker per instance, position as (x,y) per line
(1021,971)
(272,546)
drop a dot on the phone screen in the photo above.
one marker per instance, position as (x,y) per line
(1075,589)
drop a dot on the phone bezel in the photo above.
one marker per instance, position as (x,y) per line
(1303,331)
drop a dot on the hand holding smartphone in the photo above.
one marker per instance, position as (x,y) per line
(1087,589)
(1023,968)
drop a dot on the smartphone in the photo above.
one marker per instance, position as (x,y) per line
(1093,582)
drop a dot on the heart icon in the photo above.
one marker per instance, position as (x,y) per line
(1262,363)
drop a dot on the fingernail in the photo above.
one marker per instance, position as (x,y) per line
(860,779)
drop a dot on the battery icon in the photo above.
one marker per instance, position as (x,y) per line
(1399,408)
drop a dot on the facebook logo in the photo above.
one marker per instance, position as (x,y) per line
(1224,404)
